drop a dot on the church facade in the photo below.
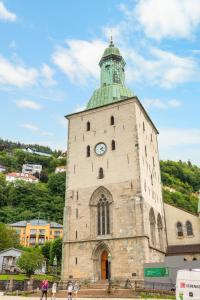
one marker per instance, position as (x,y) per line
(114,216)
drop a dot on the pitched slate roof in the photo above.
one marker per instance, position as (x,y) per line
(36,222)
(183,249)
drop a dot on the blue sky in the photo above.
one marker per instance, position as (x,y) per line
(49,54)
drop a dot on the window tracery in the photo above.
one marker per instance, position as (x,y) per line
(103,216)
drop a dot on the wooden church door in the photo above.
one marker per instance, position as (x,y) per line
(104,265)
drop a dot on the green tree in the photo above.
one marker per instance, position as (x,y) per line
(3,190)
(56,250)
(56,183)
(30,261)
(8,237)
(46,250)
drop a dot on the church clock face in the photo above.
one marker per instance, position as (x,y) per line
(100,148)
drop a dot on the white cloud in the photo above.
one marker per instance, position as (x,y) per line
(31,127)
(28,104)
(162,68)
(171,18)
(63,122)
(171,137)
(180,143)
(47,133)
(161,104)
(174,103)
(48,73)
(79,60)
(5,14)
(80,107)
(16,74)
(36,129)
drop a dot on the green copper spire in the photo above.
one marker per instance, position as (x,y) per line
(112,87)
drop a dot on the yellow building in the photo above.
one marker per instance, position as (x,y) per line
(37,232)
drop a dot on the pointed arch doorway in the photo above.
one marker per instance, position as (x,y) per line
(104,265)
(100,257)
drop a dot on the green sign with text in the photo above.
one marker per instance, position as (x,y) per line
(156,272)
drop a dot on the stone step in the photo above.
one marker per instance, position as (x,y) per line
(101,286)
(95,293)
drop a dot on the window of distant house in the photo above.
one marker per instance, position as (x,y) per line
(112,120)
(88,126)
(189,228)
(179,229)
(113,145)
(88,151)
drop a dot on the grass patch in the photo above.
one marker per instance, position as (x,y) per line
(22,277)
(19,277)
(156,296)
(43,276)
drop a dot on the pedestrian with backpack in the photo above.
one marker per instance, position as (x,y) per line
(44,288)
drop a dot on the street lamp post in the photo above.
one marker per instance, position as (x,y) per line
(55,262)
(109,272)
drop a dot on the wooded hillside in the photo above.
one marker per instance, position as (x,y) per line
(23,201)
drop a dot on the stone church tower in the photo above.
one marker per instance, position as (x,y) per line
(114,203)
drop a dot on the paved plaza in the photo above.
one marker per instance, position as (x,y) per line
(37,298)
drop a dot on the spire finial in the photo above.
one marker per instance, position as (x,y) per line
(111,41)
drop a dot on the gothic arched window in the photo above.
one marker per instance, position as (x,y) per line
(160,231)
(189,228)
(101,175)
(152,221)
(88,126)
(103,216)
(113,145)
(179,229)
(112,120)
(88,151)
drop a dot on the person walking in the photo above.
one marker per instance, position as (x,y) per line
(53,291)
(69,290)
(44,288)
(76,288)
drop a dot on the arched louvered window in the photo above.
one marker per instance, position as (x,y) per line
(101,175)
(189,228)
(113,145)
(88,151)
(112,120)
(103,216)
(88,126)
(152,221)
(179,229)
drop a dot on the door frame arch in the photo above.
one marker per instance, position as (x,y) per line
(96,258)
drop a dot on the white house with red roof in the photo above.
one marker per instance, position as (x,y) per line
(12,177)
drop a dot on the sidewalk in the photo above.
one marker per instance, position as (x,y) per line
(37,298)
